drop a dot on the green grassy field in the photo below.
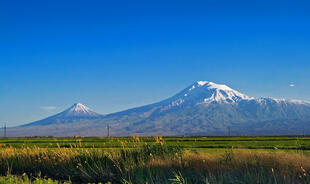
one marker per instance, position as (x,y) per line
(297,143)
(155,160)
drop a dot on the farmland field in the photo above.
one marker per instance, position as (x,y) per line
(155,160)
(298,143)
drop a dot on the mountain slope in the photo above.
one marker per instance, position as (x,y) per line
(206,108)
(76,112)
(203,108)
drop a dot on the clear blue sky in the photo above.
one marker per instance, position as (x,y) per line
(114,55)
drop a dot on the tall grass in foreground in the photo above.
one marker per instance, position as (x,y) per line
(10,179)
(154,163)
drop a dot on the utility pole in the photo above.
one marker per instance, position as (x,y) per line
(108,129)
(303,131)
(4,130)
(228,131)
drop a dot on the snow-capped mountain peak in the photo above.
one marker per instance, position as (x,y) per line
(78,110)
(207,93)
(78,107)
(220,93)
(212,85)
(204,92)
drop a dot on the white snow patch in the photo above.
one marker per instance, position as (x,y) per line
(193,87)
(218,86)
(220,93)
(202,83)
(206,93)
(301,102)
(226,96)
(177,102)
(79,108)
(212,85)
(282,100)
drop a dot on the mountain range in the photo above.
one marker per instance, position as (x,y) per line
(202,109)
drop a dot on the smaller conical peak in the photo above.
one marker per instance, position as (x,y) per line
(78,107)
(78,110)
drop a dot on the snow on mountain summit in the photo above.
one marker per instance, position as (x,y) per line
(212,85)
(221,93)
(78,110)
(78,107)
(204,92)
